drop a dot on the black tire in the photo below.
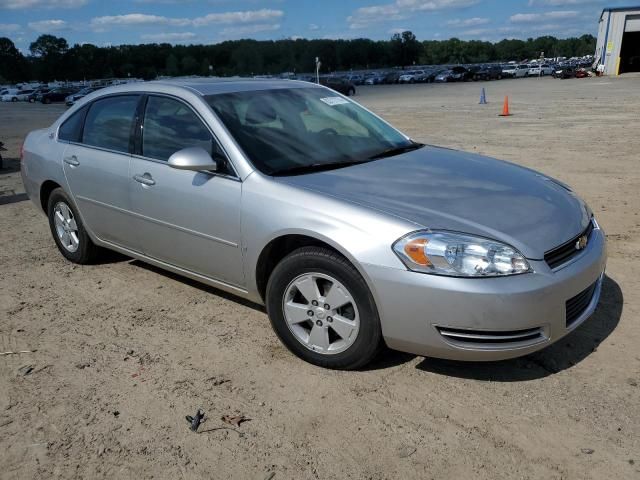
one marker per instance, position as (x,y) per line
(327,262)
(351,92)
(14,99)
(87,252)
(46,101)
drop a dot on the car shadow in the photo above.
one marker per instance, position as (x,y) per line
(200,286)
(562,355)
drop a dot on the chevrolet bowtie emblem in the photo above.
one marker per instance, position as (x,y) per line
(581,243)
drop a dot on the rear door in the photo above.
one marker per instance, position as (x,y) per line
(187,219)
(96,165)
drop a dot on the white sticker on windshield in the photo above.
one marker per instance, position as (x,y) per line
(332,101)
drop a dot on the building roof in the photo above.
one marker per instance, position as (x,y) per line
(619,9)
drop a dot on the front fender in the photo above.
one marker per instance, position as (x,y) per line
(271,210)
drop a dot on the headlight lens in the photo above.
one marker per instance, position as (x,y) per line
(459,255)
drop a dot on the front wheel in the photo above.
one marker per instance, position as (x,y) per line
(322,310)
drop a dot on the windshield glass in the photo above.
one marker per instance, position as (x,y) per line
(298,128)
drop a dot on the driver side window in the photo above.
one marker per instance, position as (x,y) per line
(170,125)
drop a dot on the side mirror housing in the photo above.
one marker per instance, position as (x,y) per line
(193,158)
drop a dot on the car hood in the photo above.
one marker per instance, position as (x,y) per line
(438,188)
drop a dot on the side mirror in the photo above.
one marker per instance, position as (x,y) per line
(192,158)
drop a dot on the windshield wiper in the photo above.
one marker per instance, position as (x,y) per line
(316,167)
(390,152)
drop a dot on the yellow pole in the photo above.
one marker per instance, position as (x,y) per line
(618,67)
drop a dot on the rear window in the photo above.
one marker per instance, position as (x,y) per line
(71,129)
(109,123)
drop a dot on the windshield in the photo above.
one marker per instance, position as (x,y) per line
(302,128)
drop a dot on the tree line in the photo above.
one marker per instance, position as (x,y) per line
(51,57)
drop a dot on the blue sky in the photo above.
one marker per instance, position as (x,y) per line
(113,22)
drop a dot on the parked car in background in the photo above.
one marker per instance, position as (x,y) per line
(56,95)
(461,74)
(488,72)
(432,74)
(391,77)
(566,71)
(33,97)
(74,97)
(17,96)
(349,232)
(356,79)
(522,71)
(540,70)
(339,84)
(413,76)
(375,79)
(9,95)
(509,71)
(444,76)
(516,71)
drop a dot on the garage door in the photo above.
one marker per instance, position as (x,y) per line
(633,23)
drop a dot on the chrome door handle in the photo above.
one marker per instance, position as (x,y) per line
(144,179)
(72,160)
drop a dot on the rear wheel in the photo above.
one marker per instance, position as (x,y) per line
(351,92)
(68,231)
(322,309)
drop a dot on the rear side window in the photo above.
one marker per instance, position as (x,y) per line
(109,123)
(170,126)
(71,129)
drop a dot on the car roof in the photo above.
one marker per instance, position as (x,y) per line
(203,86)
(212,86)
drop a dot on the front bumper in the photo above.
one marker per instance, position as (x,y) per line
(486,318)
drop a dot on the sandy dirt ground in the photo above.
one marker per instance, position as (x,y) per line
(125,351)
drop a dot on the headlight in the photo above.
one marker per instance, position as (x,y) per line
(459,255)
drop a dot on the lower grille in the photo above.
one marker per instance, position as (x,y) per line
(565,252)
(497,339)
(577,305)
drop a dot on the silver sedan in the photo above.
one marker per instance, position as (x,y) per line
(352,234)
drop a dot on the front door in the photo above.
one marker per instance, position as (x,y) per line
(187,219)
(96,165)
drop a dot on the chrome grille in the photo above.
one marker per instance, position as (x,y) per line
(489,339)
(565,252)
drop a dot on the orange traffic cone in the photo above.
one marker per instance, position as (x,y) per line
(505,108)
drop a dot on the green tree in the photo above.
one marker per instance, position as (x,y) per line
(189,65)
(48,52)
(171,65)
(48,46)
(13,65)
(405,49)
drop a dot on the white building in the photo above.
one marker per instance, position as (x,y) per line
(618,47)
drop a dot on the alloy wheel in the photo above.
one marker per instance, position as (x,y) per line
(321,313)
